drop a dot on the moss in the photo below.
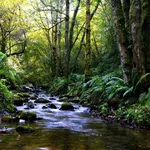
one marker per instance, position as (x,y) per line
(28,116)
(7,118)
(24,129)
(66,106)
(41,100)
(18,100)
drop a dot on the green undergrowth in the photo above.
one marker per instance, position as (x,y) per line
(8,78)
(108,95)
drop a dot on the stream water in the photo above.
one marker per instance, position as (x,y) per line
(73,130)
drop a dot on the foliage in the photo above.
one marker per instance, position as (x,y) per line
(8,76)
(117,87)
(59,85)
(5,97)
(7,71)
(139,114)
(75,88)
(104,109)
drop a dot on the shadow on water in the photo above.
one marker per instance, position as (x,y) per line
(74,130)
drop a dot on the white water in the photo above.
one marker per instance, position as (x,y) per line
(76,120)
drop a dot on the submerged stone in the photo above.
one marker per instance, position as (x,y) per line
(24,129)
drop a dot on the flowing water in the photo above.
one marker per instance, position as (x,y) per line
(73,130)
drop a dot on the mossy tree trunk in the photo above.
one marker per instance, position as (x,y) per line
(122,39)
(145,25)
(145,17)
(88,45)
(67,50)
(136,34)
(132,21)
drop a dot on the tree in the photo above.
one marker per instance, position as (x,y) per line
(133,36)
(66,51)
(12,31)
(88,46)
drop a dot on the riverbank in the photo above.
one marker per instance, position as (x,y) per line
(108,97)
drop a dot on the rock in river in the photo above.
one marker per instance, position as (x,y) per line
(28,116)
(66,106)
(24,129)
(41,100)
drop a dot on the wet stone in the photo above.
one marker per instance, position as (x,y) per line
(53,106)
(41,100)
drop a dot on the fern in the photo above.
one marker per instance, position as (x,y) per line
(140,80)
(128,91)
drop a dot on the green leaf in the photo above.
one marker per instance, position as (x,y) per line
(130,90)
(141,79)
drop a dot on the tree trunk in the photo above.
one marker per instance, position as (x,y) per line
(72,25)
(67,51)
(126,8)
(136,34)
(146,37)
(3,40)
(58,50)
(122,40)
(146,32)
(83,36)
(87,70)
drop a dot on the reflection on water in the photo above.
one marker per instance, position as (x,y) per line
(74,130)
(109,137)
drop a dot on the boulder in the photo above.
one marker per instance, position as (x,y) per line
(24,95)
(66,106)
(29,104)
(18,101)
(52,106)
(26,88)
(34,96)
(24,129)
(44,107)
(52,98)
(28,116)
(41,100)
(7,118)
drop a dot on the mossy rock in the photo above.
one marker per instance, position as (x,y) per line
(30,104)
(24,129)
(7,118)
(24,95)
(34,97)
(66,106)
(18,101)
(52,106)
(28,116)
(41,100)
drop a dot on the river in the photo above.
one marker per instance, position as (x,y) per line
(72,130)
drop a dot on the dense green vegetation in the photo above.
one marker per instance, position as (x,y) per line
(88,51)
